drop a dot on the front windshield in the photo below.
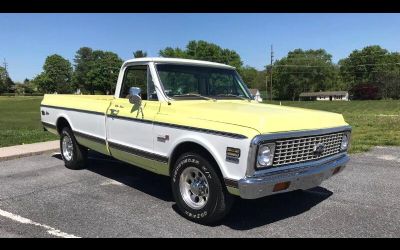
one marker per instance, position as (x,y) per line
(197,82)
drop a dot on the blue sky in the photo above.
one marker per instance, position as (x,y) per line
(26,39)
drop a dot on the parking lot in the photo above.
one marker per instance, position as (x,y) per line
(39,197)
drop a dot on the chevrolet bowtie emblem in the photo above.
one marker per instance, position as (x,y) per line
(318,149)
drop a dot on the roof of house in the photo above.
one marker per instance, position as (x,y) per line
(323,93)
(178,61)
(253,91)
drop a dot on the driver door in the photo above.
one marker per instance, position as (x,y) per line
(130,128)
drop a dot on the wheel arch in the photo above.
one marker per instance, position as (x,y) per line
(61,123)
(194,146)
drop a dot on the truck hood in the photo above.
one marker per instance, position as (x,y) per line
(265,118)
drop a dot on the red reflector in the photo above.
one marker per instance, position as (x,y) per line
(281,186)
(336,170)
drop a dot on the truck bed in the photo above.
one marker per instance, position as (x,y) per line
(97,103)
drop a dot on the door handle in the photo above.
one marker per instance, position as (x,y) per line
(114,111)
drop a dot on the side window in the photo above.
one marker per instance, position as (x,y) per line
(138,76)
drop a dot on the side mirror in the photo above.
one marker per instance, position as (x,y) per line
(134,96)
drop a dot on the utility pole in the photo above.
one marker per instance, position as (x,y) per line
(272,60)
(5,67)
(266,87)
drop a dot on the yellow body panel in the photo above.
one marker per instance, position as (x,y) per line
(234,116)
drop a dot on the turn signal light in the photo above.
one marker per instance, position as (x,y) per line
(281,186)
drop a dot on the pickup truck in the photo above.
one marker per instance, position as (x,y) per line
(197,122)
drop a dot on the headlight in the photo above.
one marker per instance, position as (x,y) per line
(345,141)
(265,155)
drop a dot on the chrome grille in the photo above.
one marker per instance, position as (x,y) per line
(296,150)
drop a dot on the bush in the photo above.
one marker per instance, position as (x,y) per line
(26,94)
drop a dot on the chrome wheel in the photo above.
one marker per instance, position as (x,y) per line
(67,148)
(194,189)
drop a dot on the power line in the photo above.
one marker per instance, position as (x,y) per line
(329,66)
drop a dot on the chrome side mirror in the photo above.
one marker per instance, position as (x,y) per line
(134,96)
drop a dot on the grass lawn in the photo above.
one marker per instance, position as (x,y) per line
(20,121)
(374,122)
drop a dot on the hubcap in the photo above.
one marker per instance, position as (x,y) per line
(193,186)
(67,148)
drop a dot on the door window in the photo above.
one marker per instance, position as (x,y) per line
(138,76)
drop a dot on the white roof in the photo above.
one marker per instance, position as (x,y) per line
(178,61)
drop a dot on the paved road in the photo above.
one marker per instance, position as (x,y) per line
(39,197)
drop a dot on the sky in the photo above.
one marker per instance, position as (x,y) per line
(27,39)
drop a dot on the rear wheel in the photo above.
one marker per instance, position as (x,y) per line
(198,190)
(73,154)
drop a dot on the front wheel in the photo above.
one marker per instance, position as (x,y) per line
(73,154)
(198,191)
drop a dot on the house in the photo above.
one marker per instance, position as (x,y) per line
(325,96)
(256,94)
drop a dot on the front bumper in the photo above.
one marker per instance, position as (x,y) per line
(301,176)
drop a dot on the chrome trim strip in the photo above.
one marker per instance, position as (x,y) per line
(72,109)
(203,130)
(90,137)
(294,134)
(138,152)
(260,139)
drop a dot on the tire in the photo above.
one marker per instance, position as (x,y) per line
(189,174)
(75,157)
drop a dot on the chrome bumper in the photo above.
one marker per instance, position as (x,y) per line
(301,176)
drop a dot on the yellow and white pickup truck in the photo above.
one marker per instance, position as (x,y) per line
(197,122)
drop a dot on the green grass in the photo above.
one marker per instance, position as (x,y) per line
(20,121)
(374,123)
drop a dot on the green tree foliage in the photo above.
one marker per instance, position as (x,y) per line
(56,75)
(303,71)
(96,70)
(202,50)
(104,70)
(83,62)
(3,75)
(254,78)
(139,54)
(6,84)
(373,65)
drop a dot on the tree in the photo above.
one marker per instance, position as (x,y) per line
(104,70)
(83,62)
(3,76)
(303,71)
(372,65)
(202,50)
(6,83)
(56,75)
(44,83)
(139,54)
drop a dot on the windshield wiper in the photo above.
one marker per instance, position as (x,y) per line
(232,95)
(195,95)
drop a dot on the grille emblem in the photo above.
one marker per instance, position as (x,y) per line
(318,149)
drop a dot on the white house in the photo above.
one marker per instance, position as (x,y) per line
(256,94)
(325,96)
